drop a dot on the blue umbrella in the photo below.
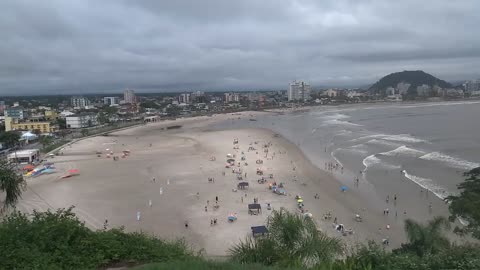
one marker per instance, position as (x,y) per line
(343,188)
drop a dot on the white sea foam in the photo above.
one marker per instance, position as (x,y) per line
(426,183)
(354,150)
(403,138)
(403,150)
(453,162)
(382,142)
(335,119)
(373,160)
(336,122)
(368,137)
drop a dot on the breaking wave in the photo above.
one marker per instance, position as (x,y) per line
(450,161)
(428,184)
(403,150)
(372,160)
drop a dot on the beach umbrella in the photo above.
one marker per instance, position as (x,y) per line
(343,188)
(230,160)
(73,171)
(309,215)
(48,171)
(28,167)
(300,200)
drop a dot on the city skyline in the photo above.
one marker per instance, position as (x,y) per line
(90,47)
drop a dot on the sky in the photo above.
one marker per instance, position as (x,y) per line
(93,46)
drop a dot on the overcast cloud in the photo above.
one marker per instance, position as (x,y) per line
(69,46)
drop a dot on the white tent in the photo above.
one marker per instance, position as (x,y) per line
(29,136)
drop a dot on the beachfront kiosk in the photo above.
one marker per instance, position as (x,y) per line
(24,156)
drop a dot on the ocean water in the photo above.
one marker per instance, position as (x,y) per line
(429,145)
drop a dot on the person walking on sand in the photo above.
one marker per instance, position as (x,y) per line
(138,215)
(206,208)
(150,203)
(388,198)
(153,179)
(216,199)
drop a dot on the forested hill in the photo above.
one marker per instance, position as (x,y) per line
(414,78)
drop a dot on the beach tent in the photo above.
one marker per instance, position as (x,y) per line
(259,230)
(230,160)
(254,208)
(243,185)
(29,136)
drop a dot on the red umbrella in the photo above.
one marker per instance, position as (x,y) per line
(29,167)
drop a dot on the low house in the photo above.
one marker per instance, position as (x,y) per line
(24,156)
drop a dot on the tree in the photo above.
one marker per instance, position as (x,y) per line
(37,132)
(11,183)
(426,239)
(10,138)
(466,205)
(102,118)
(45,140)
(62,123)
(292,240)
(84,132)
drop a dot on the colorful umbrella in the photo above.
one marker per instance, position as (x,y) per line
(343,188)
(73,171)
(28,167)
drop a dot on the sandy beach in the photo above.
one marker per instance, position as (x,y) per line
(163,184)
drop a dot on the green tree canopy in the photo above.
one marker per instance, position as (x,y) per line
(428,238)
(466,205)
(10,138)
(11,183)
(293,240)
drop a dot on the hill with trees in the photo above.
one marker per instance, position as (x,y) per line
(414,78)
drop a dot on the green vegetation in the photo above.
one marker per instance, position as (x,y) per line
(426,239)
(414,78)
(11,183)
(52,146)
(199,264)
(293,240)
(58,240)
(10,138)
(467,204)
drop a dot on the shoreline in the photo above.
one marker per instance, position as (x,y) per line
(178,159)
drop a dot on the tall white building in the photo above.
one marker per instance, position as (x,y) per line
(111,101)
(472,86)
(79,102)
(402,88)
(184,98)
(81,120)
(299,90)
(232,97)
(129,96)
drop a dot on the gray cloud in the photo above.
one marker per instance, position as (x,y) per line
(92,46)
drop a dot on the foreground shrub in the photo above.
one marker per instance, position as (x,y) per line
(58,240)
(293,240)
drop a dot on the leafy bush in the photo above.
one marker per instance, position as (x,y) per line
(293,240)
(58,240)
